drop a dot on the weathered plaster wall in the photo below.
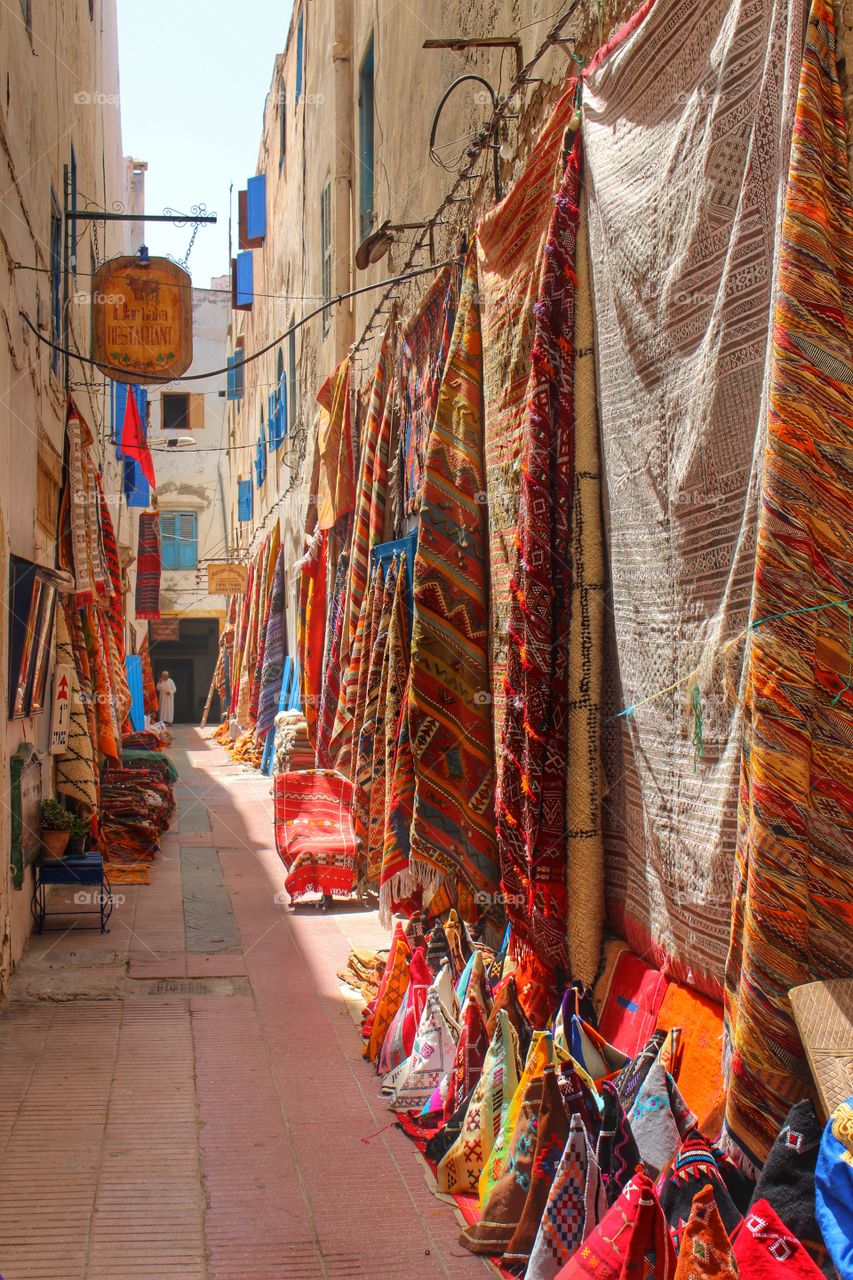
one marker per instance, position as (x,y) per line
(58,90)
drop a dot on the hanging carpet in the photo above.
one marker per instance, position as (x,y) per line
(683,290)
(314,834)
(148,566)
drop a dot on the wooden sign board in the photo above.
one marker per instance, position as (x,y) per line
(142,319)
(227,579)
(168,629)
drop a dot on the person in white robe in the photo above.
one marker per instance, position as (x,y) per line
(166,689)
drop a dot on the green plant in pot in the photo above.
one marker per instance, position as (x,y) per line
(79,835)
(56,823)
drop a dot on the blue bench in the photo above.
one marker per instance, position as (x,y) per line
(84,872)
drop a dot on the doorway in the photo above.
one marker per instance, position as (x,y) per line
(190,661)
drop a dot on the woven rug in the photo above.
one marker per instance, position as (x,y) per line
(369,771)
(395,676)
(273,664)
(683,290)
(311,626)
(792,920)
(149,687)
(81,538)
(420,367)
(531,800)
(368,530)
(314,834)
(148,566)
(332,665)
(453,845)
(335,484)
(511,240)
(75,767)
(240,640)
(270,563)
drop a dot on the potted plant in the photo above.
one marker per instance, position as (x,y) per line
(56,824)
(79,832)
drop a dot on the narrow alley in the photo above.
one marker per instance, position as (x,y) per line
(197,1077)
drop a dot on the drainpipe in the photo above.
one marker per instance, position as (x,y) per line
(344,146)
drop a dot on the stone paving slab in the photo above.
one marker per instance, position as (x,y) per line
(185,1098)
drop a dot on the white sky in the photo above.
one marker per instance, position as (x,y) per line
(194,76)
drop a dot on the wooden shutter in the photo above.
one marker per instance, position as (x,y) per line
(196,413)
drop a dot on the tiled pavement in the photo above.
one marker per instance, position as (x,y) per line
(185,1098)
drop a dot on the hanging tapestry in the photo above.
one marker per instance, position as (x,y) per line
(273,664)
(511,241)
(75,767)
(453,844)
(311,627)
(392,692)
(242,637)
(335,486)
(149,688)
(683,289)
(247,666)
(423,354)
(332,665)
(370,763)
(531,801)
(314,835)
(81,546)
(792,920)
(368,530)
(270,563)
(148,566)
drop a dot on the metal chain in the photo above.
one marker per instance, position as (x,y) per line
(95,245)
(185,259)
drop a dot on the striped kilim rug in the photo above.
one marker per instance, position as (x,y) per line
(793,919)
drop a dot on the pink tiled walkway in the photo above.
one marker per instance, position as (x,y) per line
(185,1098)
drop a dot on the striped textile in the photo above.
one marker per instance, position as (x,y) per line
(392,694)
(423,355)
(370,756)
(313,832)
(453,847)
(148,566)
(511,240)
(273,662)
(311,627)
(332,666)
(793,921)
(75,767)
(148,686)
(368,530)
(270,562)
(81,545)
(241,636)
(531,801)
(683,292)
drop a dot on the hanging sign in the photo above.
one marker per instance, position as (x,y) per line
(142,319)
(227,579)
(61,716)
(164,630)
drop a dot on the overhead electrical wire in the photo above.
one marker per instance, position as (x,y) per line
(410,274)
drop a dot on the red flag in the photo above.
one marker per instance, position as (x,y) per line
(133,442)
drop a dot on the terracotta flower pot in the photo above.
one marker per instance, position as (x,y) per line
(54,843)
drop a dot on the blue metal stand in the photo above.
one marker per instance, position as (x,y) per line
(88,871)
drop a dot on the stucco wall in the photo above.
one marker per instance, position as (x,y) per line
(58,89)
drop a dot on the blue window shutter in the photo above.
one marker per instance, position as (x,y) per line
(245,281)
(118,398)
(245,500)
(300,48)
(282,405)
(230,393)
(168,550)
(136,488)
(256,212)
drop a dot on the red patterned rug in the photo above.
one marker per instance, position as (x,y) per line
(314,833)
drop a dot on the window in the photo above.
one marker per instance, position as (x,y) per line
(179,539)
(291,379)
(245,500)
(55,279)
(365,143)
(176,411)
(282,125)
(326,250)
(261,454)
(300,49)
(244,286)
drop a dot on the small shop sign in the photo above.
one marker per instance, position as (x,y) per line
(142,328)
(227,579)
